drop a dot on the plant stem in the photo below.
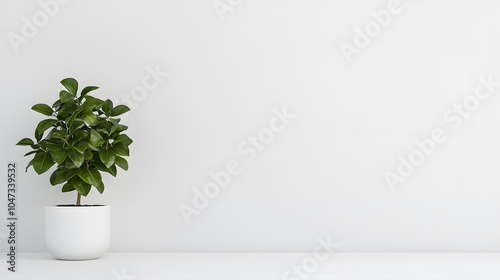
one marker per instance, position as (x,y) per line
(78,199)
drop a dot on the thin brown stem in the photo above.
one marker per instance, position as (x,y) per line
(78,199)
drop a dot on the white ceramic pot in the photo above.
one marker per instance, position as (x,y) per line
(77,232)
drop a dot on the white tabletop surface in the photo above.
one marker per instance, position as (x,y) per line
(236,266)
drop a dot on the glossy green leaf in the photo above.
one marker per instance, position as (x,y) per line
(25,142)
(114,121)
(68,163)
(90,118)
(86,90)
(81,145)
(112,170)
(68,187)
(79,135)
(80,186)
(118,110)
(120,149)
(60,155)
(71,85)
(61,175)
(57,104)
(59,134)
(69,107)
(118,128)
(38,136)
(92,102)
(44,125)
(29,164)
(65,96)
(107,106)
(76,157)
(42,162)
(95,139)
(75,125)
(107,157)
(124,139)
(90,176)
(72,118)
(100,187)
(121,162)
(29,153)
(88,155)
(43,108)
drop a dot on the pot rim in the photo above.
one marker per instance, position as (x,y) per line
(76,207)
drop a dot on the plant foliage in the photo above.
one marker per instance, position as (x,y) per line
(82,136)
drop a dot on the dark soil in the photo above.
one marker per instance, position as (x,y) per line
(72,205)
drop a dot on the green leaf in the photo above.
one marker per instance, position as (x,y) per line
(114,121)
(88,155)
(81,145)
(25,142)
(44,125)
(44,109)
(68,187)
(103,130)
(29,164)
(42,162)
(61,175)
(107,106)
(76,157)
(72,118)
(76,125)
(100,166)
(100,187)
(38,136)
(71,85)
(86,90)
(90,118)
(30,153)
(92,102)
(123,138)
(80,186)
(95,139)
(49,144)
(66,96)
(60,155)
(107,157)
(118,110)
(79,135)
(117,128)
(59,134)
(112,170)
(90,176)
(57,105)
(69,163)
(120,149)
(121,162)
(69,107)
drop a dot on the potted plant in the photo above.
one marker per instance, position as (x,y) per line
(83,138)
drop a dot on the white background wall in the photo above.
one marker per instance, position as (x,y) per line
(324,174)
